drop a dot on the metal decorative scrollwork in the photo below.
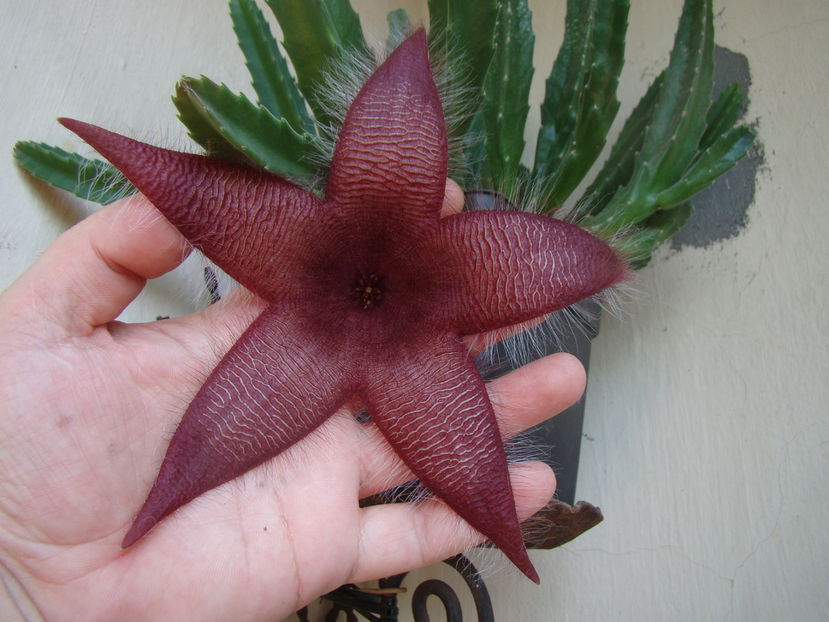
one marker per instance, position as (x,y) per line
(380,604)
(451,604)
(554,525)
(447,596)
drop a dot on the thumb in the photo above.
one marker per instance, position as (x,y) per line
(96,268)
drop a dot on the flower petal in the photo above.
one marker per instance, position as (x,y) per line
(432,407)
(269,391)
(235,214)
(389,167)
(500,268)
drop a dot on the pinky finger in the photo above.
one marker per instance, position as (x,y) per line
(403,536)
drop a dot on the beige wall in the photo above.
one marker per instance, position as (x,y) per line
(707,431)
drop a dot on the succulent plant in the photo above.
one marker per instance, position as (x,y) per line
(675,143)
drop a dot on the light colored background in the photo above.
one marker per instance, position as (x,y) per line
(707,431)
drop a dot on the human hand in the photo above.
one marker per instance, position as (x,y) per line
(87,403)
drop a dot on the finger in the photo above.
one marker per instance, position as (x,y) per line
(537,391)
(521,399)
(452,199)
(92,271)
(400,537)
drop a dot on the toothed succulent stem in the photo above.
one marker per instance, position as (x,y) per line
(93,180)
(230,126)
(580,101)
(674,144)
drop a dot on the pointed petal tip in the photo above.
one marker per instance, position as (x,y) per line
(82,128)
(412,55)
(418,37)
(616,268)
(113,146)
(160,502)
(600,266)
(138,530)
(519,556)
(415,40)
(68,122)
(522,562)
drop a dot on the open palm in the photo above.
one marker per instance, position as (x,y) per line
(87,405)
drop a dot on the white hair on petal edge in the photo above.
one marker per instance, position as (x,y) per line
(115,179)
(525,448)
(345,75)
(537,339)
(452,78)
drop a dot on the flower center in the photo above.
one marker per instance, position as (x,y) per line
(368,290)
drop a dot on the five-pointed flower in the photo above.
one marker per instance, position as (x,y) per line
(369,294)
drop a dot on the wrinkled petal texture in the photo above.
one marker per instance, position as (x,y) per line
(433,408)
(271,389)
(501,268)
(368,293)
(393,141)
(234,214)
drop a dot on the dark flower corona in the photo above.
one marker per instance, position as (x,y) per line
(369,294)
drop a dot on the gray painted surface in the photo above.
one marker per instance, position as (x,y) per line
(721,210)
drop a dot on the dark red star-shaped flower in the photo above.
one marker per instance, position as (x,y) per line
(369,294)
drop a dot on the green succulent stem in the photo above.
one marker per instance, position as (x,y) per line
(92,180)
(315,33)
(466,30)
(230,126)
(505,95)
(675,143)
(580,101)
(275,87)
